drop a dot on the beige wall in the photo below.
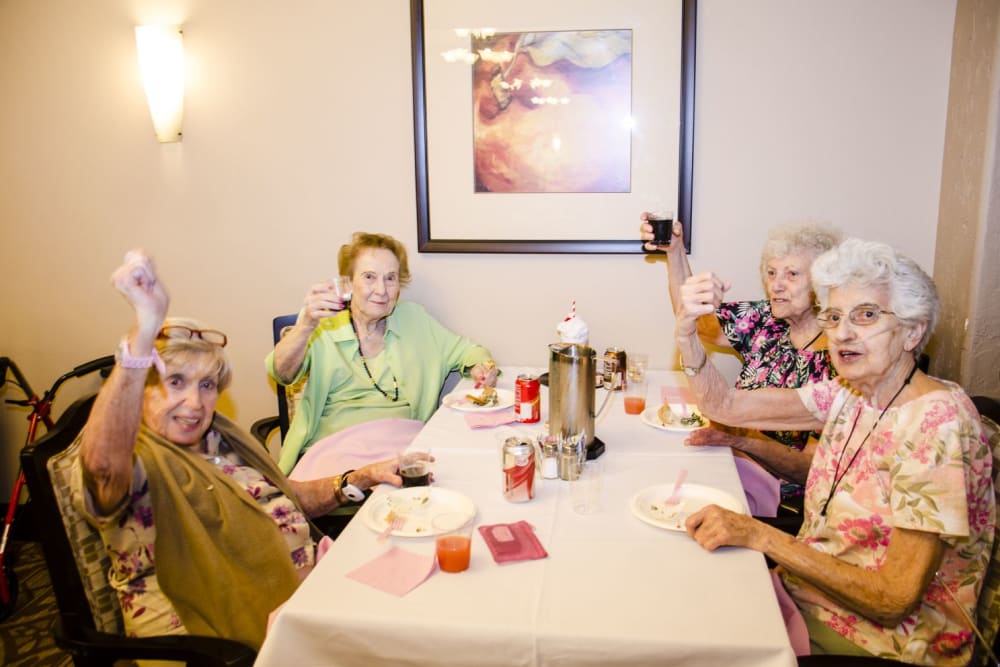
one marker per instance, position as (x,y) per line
(298,131)
(968,238)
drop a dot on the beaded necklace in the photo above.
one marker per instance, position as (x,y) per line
(395,384)
(837,475)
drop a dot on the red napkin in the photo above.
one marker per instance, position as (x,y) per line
(489,419)
(509,542)
(396,571)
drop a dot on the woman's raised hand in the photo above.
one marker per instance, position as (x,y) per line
(646,234)
(321,301)
(138,282)
(700,295)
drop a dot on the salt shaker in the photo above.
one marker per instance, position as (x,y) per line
(570,458)
(550,457)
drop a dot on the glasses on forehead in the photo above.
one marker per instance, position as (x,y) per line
(208,335)
(864,315)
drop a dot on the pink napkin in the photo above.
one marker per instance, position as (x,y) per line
(762,489)
(795,625)
(489,419)
(509,542)
(396,571)
(678,398)
(356,446)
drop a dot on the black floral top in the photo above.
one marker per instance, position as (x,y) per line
(770,360)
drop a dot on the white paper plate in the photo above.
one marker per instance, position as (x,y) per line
(651,417)
(420,504)
(457,400)
(649,506)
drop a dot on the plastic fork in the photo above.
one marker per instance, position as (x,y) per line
(675,497)
(396,522)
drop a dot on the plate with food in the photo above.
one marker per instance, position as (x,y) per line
(414,508)
(650,504)
(484,399)
(668,419)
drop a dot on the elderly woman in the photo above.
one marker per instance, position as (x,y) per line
(899,511)
(779,340)
(372,358)
(197,518)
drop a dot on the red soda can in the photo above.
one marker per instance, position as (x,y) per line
(527,399)
(518,469)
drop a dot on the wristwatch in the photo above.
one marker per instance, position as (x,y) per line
(349,491)
(691,371)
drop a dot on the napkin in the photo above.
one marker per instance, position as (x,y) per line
(490,419)
(356,446)
(396,571)
(679,398)
(509,542)
(763,490)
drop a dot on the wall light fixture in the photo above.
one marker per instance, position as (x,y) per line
(161,63)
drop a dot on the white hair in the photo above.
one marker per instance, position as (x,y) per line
(808,237)
(858,263)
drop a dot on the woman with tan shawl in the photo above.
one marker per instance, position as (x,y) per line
(205,533)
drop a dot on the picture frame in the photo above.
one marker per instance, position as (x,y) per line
(662,160)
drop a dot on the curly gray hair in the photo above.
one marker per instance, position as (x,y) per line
(810,237)
(858,263)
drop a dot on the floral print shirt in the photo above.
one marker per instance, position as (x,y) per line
(770,360)
(129,535)
(926,466)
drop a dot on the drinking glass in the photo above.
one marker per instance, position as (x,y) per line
(415,468)
(586,490)
(342,286)
(663,227)
(635,396)
(453,542)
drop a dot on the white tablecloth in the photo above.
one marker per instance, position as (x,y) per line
(613,590)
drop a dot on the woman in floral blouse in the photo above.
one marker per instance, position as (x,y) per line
(899,500)
(779,340)
(206,535)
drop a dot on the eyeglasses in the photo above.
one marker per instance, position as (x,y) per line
(210,336)
(864,315)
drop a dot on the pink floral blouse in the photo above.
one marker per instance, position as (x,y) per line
(129,534)
(927,466)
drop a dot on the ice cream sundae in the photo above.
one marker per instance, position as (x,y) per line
(573,329)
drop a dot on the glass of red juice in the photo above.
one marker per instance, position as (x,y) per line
(453,542)
(635,396)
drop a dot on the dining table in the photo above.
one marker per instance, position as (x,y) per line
(613,589)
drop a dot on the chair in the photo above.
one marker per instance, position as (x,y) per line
(336,520)
(90,625)
(988,606)
(262,428)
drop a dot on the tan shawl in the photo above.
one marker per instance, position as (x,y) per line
(220,559)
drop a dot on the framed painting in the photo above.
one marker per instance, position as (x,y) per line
(548,127)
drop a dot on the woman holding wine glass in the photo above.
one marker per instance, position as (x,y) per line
(369,356)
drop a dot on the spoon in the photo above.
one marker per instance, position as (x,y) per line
(675,497)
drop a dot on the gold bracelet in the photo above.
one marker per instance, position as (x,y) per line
(338,484)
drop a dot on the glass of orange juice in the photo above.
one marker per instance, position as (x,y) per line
(454,540)
(635,397)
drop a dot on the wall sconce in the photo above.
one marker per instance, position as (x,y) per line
(161,63)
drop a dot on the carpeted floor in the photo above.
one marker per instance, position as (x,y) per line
(26,637)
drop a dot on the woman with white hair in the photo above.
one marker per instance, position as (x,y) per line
(899,508)
(778,339)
